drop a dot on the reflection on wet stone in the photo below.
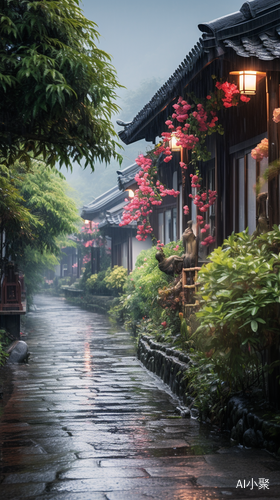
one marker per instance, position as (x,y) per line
(84,420)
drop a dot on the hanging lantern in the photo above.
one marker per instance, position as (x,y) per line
(173,143)
(248,81)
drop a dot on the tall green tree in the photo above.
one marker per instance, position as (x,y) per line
(35,214)
(57,88)
(16,221)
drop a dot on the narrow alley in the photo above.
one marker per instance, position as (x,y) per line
(84,420)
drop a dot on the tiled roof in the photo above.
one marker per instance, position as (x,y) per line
(126,177)
(254,31)
(265,47)
(103,203)
(166,93)
(109,205)
(114,217)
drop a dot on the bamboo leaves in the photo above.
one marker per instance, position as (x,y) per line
(58,88)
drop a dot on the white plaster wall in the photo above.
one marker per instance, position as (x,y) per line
(138,246)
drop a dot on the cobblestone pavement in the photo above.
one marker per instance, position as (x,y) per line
(85,421)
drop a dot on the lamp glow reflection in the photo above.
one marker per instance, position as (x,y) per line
(173,143)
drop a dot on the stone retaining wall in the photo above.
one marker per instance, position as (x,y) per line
(250,430)
(170,365)
(245,427)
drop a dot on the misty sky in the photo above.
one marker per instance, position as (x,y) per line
(147,41)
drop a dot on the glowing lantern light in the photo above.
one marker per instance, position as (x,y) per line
(130,193)
(248,82)
(173,143)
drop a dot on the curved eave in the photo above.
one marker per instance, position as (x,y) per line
(103,203)
(234,32)
(126,178)
(165,96)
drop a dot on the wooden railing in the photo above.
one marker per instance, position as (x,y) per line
(190,288)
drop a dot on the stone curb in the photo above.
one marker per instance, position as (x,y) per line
(250,430)
(167,363)
(171,366)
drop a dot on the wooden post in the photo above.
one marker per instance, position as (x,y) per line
(272,89)
(272,94)
(186,187)
(91,261)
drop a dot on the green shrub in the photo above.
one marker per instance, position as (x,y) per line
(141,298)
(96,284)
(239,297)
(109,282)
(4,342)
(207,390)
(86,275)
(115,279)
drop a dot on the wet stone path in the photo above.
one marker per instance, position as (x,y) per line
(83,420)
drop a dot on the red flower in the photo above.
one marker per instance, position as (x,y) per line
(243,98)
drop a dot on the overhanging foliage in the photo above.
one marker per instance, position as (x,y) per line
(57,87)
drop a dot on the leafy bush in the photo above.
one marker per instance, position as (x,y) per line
(60,282)
(141,298)
(109,282)
(115,279)
(207,390)
(96,284)
(86,275)
(239,297)
(4,342)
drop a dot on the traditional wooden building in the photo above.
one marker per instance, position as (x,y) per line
(230,48)
(107,210)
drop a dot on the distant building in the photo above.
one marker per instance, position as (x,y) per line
(107,210)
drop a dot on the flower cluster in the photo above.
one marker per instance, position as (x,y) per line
(203,229)
(231,94)
(181,110)
(276,115)
(86,259)
(260,151)
(183,165)
(150,192)
(203,200)
(208,241)
(159,245)
(90,235)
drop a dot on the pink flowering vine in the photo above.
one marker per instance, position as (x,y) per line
(190,124)
(90,235)
(149,193)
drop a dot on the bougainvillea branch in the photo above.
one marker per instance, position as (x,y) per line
(149,193)
(190,124)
